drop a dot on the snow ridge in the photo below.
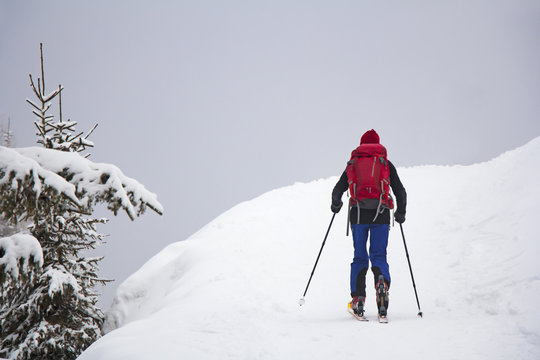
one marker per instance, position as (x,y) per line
(232,289)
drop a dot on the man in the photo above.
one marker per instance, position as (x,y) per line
(368,177)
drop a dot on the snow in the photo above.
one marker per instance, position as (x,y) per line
(82,181)
(20,250)
(96,179)
(231,290)
(58,280)
(92,180)
(12,162)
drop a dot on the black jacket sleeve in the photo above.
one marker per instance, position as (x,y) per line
(398,190)
(341,186)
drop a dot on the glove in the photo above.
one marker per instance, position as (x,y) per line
(399,217)
(336,206)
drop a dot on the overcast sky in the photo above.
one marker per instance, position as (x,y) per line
(211,103)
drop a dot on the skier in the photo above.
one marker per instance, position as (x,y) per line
(368,177)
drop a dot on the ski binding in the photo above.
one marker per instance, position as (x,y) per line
(356,316)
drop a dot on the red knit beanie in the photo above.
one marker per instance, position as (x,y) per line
(370,137)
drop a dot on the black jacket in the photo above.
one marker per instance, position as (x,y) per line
(367,215)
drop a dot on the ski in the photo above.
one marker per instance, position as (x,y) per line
(356,316)
(383,319)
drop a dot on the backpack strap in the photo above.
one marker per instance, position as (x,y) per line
(380,207)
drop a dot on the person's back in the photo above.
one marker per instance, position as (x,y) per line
(368,177)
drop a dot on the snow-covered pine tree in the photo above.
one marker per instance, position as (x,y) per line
(59,135)
(52,313)
(44,124)
(7,135)
(55,314)
(7,141)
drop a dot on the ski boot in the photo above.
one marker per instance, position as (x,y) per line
(382,298)
(357,305)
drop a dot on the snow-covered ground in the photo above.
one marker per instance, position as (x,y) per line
(232,289)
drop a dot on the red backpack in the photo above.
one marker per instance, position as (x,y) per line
(368,173)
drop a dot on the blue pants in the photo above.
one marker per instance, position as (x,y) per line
(378,234)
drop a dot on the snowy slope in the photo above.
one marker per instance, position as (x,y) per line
(232,289)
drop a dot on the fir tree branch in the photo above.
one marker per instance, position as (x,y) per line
(34,88)
(60,100)
(42,70)
(43,117)
(76,136)
(34,105)
(91,131)
(52,95)
(39,129)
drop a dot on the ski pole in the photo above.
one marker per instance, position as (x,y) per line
(348,217)
(410,268)
(302,299)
